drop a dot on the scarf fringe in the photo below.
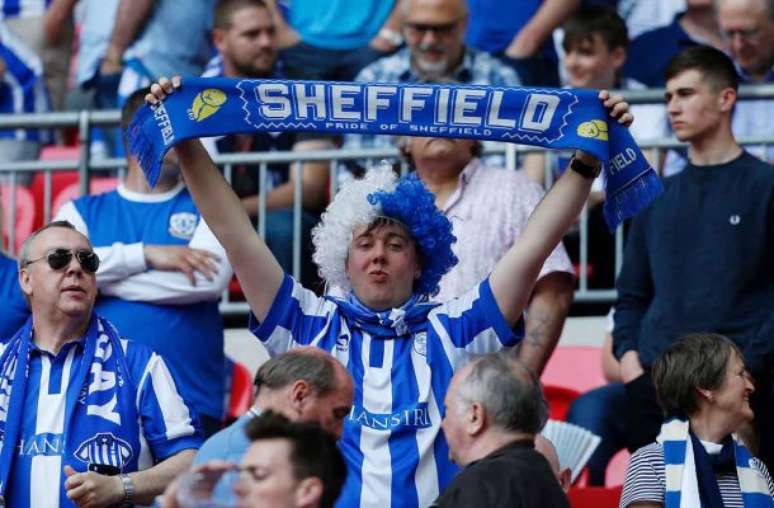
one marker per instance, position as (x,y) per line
(142,147)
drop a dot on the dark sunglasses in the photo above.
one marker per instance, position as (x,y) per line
(440,30)
(59,258)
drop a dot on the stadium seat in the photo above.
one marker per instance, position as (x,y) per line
(559,399)
(595,497)
(241,392)
(73,191)
(575,367)
(615,474)
(59,179)
(25,214)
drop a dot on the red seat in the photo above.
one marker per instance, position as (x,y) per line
(25,215)
(595,497)
(73,191)
(241,392)
(615,473)
(559,399)
(59,179)
(575,367)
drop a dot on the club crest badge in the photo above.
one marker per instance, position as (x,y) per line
(182,225)
(105,448)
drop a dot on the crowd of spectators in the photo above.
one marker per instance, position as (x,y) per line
(344,410)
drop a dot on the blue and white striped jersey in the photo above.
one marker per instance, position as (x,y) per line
(395,452)
(23,8)
(22,89)
(163,428)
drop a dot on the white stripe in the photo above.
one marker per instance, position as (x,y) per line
(457,357)
(376,470)
(44,489)
(145,460)
(177,419)
(49,419)
(426,478)
(751,482)
(485,342)
(673,476)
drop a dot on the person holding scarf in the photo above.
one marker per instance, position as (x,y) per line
(698,459)
(86,417)
(384,242)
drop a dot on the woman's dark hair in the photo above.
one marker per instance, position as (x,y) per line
(696,361)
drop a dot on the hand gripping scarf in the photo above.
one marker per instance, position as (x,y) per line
(682,489)
(100,401)
(552,118)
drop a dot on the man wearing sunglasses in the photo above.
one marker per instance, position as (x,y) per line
(161,276)
(86,417)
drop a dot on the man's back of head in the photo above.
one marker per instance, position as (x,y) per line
(245,35)
(289,463)
(492,401)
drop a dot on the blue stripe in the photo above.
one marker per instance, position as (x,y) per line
(674,452)
(350,440)
(404,452)
(441,368)
(11,8)
(672,498)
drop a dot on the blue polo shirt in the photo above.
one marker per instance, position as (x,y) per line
(650,53)
(14,311)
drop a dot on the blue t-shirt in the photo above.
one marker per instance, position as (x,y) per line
(163,428)
(338,24)
(189,336)
(14,311)
(649,54)
(493,24)
(228,444)
(392,442)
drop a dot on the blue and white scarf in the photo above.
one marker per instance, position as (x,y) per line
(553,118)
(682,489)
(100,398)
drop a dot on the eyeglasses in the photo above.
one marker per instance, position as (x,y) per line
(747,34)
(60,258)
(439,30)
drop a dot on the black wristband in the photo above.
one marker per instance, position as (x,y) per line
(585,170)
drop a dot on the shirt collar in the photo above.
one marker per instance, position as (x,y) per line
(463,180)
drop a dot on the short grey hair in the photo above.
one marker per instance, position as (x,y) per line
(314,367)
(24,253)
(509,393)
(769,4)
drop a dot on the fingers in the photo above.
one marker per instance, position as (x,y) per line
(162,88)
(204,262)
(619,108)
(69,471)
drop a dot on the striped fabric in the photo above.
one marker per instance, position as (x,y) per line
(395,452)
(22,89)
(160,426)
(656,471)
(23,8)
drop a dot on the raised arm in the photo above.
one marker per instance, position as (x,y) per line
(515,274)
(259,273)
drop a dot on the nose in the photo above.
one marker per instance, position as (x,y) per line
(74,266)
(748,382)
(429,37)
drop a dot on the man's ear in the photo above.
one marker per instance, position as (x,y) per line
(24,282)
(618,57)
(476,419)
(309,492)
(565,479)
(299,393)
(727,99)
(219,38)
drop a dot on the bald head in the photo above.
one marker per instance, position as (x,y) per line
(748,26)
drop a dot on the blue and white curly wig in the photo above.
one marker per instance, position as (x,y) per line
(381,194)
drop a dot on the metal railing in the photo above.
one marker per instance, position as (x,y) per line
(86,167)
